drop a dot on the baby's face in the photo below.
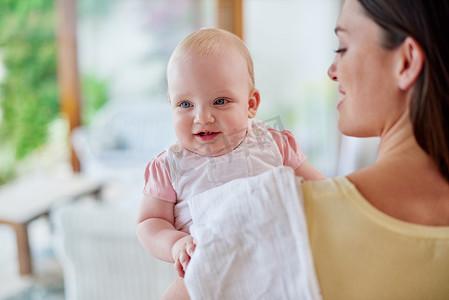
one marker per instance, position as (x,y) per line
(211,100)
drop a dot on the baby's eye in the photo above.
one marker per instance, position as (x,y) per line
(220,101)
(185,104)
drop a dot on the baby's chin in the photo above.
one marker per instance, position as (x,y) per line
(217,147)
(212,150)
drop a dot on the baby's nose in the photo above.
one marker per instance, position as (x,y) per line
(203,116)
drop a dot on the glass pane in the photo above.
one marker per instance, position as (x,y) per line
(291,42)
(126,43)
(123,49)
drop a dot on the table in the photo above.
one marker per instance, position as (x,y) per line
(29,198)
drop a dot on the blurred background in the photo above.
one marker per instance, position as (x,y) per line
(83,90)
(122,51)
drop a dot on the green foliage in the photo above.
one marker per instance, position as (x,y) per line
(29,98)
(94,93)
(29,91)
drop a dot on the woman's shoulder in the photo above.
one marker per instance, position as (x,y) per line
(339,199)
(419,196)
(329,189)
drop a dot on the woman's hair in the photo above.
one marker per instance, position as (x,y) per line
(213,41)
(426,21)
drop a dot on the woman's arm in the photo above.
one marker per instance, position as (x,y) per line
(308,172)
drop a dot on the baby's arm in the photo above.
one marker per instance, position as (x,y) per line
(157,234)
(293,156)
(308,172)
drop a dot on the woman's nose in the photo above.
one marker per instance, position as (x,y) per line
(203,116)
(332,71)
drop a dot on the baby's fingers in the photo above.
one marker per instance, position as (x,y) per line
(184,259)
(190,249)
(179,269)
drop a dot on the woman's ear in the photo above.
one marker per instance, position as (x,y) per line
(253,103)
(412,63)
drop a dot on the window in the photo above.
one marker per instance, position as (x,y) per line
(292,43)
(128,43)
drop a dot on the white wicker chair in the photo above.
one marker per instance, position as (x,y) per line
(123,138)
(102,258)
(96,242)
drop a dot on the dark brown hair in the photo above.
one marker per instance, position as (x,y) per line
(426,22)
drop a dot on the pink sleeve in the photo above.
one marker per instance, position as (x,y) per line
(158,180)
(288,146)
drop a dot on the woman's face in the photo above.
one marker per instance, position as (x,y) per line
(367,75)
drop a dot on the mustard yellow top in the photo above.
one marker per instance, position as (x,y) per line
(361,253)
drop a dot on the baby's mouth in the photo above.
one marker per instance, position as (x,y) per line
(206,135)
(203,133)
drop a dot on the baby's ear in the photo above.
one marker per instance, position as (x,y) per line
(253,103)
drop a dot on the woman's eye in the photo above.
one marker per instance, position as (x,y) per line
(221,101)
(185,104)
(340,50)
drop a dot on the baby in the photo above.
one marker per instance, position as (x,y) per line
(214,100)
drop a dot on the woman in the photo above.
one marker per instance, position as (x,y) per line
(383,232)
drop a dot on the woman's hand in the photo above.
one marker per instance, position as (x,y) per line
(182,251)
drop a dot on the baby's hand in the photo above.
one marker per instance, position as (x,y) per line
(182,251)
